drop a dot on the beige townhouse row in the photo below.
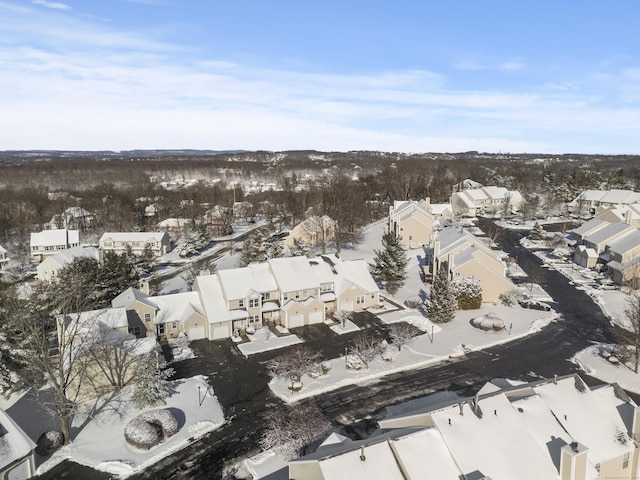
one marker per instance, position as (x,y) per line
(290,291)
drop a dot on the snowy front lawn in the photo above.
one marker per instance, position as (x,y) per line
(438,343)
(592,361)
(100,443)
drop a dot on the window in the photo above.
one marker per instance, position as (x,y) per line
(297,295)
(254,302)
(285,296)
(241,303)
(410,237)
(135,331)
(304,294)
(625,460)
(161,329)
(266,296)
(147,317)
(254,319)
(326,287)
(373,295)
(360,300)
(174,325)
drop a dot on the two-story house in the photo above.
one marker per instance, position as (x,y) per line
(50,266)
(119,242)
(290,291)
(464,255)
(50,242)
(413,222)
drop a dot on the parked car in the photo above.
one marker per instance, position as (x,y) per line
(535,305)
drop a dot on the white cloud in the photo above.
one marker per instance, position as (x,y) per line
(52,5)
(85,85)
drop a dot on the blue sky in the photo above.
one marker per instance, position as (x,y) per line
(411,76)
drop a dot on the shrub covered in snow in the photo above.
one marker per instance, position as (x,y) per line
(510,298)
(468,292)
(413,302)
(488,322)
(49,442)
(151,428)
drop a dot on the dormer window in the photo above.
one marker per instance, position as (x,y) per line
(241,303)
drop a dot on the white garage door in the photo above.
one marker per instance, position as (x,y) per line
(220,332)
(315,317)
(296,321)
(196,333)
(347,305)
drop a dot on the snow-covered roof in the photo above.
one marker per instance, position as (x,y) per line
(14,444)
(596,418)
(476,194)
(496,193)
(516,431)
(237,283)
(133,236)
(440,208)
(626,243)
(86,322)
(2,249)
(174,223)
(619,196)
(465,199)
(59,236)
(590,226)
(213,301)
(176,307)
(607,232)
(293,273)
(379,462)
(355,271)
(129,296)
(64,257)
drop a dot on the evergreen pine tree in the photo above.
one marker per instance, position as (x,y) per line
(152,384)
(390,264)
(442,300)
(537,232)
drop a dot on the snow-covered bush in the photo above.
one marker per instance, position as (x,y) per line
(413,302)
(151,428)
(468,292)
(510,298)
(488,322)
(49,442)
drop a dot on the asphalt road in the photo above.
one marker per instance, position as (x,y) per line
(241,384)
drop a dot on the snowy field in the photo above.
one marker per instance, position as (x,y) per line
(100,442)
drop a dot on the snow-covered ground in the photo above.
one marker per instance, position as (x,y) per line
(613,302)
(100,442)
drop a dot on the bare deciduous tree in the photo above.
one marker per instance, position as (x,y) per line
(291,431)
(401,334)
(630,336)
(365,347)
(294,363)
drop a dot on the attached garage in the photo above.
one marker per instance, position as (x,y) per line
(220,332)
(315,317)
(295,321)
(196,333)
(347,305)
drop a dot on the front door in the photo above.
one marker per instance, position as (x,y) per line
(161,330)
